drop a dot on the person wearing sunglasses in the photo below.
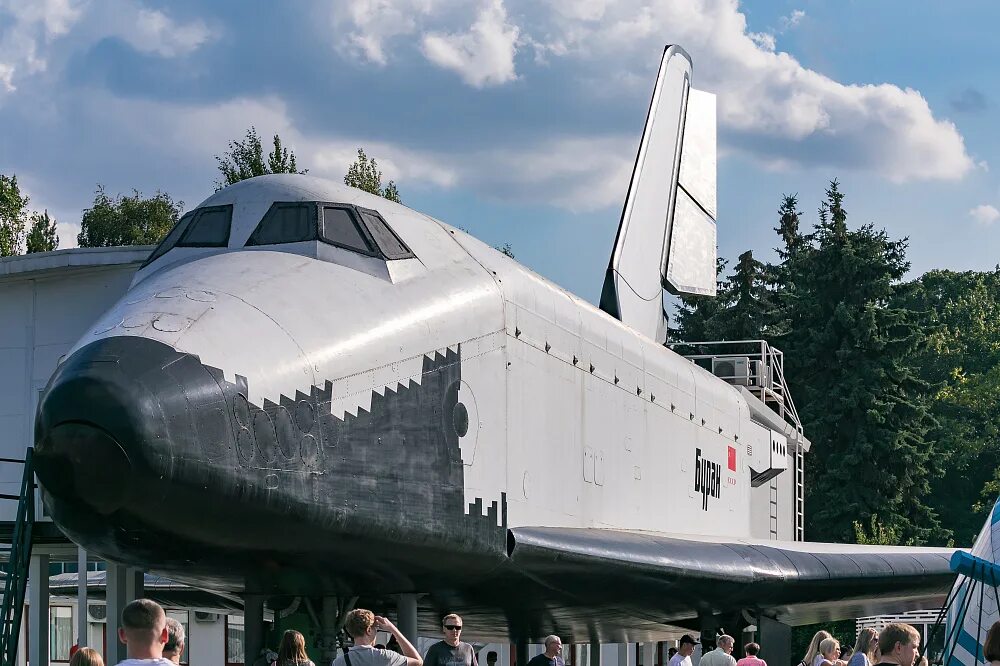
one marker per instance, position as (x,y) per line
(451,651)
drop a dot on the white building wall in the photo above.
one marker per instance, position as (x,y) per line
(46,304)
(206,642)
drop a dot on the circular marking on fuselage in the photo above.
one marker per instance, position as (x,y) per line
(286,433)
(241,410)
(309,450)
(173,292)
(263,430)
(138,320)
(201,296)
(169,323)
(304,415)
(244,445)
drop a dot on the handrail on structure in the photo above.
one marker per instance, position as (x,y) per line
(770,385)
(16,572)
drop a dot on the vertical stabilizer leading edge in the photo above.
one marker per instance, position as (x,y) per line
(666,238)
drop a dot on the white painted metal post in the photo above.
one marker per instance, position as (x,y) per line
(38,610)
(407,614)
(626,654)
(81,597)
(649,653)
(116,599)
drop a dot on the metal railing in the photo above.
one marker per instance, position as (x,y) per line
(16,568)
(768,382)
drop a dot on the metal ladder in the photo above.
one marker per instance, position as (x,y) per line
(15,569)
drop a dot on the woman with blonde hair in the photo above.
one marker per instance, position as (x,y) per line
(829,653)
(813,650)
(293,650)
(864,649)
(86,657)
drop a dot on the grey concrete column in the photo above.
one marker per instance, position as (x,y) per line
(649,653)
(329,628)
(135,584)
(406,609)
(253,627)
(81,597)
(38,610)
(116,598)
(595,653)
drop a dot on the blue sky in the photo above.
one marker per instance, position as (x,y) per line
(518,120)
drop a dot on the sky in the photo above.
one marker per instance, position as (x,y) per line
(519,120)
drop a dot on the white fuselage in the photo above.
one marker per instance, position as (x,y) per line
(580,420)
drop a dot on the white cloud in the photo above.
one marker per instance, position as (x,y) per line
(483,55)
(27,42)
(367,25)
(792,20)
(154,32)
(770,106)
(33,26)
(985,214)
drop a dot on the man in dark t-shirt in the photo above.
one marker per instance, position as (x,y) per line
(451,651)
(552,655)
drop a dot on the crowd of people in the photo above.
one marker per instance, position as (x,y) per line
(153,639)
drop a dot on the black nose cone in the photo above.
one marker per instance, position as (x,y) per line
(80,462)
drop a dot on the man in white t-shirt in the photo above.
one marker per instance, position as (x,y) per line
(361,625)
(143,630)
(684,649)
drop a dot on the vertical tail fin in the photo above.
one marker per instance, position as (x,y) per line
(666,238)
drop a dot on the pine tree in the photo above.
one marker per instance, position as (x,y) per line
(42,236)
(849,358)
(13,216)
(364,175)
(695,315)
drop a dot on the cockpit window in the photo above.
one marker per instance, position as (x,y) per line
(286,223)
(340,228)
(360,230)
(390,244)
(170,239)
(209,229)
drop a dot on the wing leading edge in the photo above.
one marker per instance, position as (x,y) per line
(681,577)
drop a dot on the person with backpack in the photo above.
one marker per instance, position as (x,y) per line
(362,625)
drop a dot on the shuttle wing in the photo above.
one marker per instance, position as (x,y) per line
(674,577)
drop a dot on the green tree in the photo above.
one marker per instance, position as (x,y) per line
(245,159)
(127,220)
(13,216)
(506,249)
(694,316)
(364,175)
(960,360)
(42,236)
(849,356)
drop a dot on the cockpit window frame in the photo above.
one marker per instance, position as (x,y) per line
(226,208)
(169,241)
(379,251)
(358,222)
(252,240)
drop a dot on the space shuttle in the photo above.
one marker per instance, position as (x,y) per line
(311,390)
